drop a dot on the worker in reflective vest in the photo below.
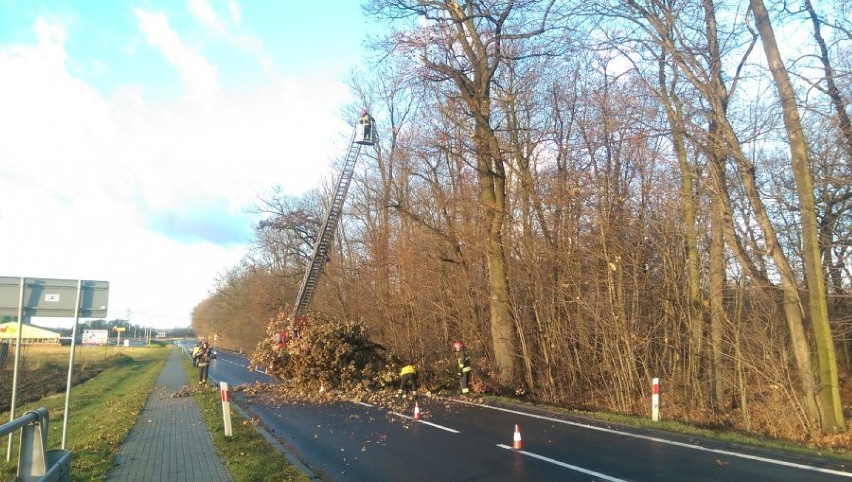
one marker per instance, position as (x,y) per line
(407,380)
(464,367)
(195,355)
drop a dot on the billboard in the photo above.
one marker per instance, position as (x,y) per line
(95,337)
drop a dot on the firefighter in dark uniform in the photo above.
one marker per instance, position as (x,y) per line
(364,131)
(464,367)
(203,357)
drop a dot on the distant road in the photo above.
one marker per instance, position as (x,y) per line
(456,441)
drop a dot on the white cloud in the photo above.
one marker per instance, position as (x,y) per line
(236,16)
(198,75)
(85,175)
(40,118)
(202,10)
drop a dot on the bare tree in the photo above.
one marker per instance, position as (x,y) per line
(831,89)
(828,387)
(466,44)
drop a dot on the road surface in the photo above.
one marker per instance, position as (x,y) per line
(458,441)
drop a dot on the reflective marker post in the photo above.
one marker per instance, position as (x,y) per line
(655,400)
(226,409)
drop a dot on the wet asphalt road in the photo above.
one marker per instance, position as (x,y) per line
(455,441)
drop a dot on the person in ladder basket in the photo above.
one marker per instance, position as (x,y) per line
(366,126)
(464,367)
(407,381)
(203,361)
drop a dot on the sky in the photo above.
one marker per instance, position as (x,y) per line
(136,134)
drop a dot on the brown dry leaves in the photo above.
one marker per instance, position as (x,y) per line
(327,355)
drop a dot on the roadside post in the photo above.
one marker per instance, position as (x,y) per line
(226,409)
(655,399)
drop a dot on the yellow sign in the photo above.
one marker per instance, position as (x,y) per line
(119,328)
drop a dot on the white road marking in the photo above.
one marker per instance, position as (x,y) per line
(668,442)
(448,429)
(563,464)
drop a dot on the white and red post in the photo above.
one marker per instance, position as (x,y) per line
(655,399)
(226,409)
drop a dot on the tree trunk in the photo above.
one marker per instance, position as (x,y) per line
(674,115)
(492,197)
(828,389)
(717,307)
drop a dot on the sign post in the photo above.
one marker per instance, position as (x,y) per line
(71,366)
(27,297)
(15,370)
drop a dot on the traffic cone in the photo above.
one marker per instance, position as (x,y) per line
(416,411)
(516,442)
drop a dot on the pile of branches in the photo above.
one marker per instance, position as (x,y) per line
(324,355)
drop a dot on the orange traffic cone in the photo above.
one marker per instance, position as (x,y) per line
(416,411)
(516,443)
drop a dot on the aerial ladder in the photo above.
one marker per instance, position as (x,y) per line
(364,135)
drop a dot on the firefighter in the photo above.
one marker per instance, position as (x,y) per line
(464,367)
(407,380)
(203,361)
(365,129)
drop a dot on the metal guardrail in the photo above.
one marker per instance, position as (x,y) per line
(35,462)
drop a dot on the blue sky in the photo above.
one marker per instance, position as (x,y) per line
(107,48)
(137,133)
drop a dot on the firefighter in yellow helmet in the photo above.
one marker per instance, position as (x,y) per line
(407,381)
(464,367)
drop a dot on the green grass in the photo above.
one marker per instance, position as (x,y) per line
(247,455)
(103,410)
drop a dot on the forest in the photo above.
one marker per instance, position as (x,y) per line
(591,195)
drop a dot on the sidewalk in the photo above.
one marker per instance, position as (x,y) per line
(170,441)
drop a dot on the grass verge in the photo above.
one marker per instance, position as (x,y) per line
(103,410)
(247,455)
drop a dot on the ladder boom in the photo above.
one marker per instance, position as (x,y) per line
(364,135)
